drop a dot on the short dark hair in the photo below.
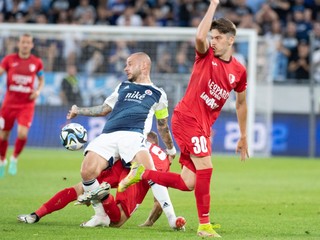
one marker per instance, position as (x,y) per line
(224,25)
(29,35)
(153,137)
(26,34)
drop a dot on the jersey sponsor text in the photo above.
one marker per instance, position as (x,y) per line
(19,88)
(211,102)
(216,91)
(21,79)
(135,96)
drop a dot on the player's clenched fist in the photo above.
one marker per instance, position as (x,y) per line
(73,112)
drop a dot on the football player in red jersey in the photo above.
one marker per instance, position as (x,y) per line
(215,74)
(119,209)
(22,68)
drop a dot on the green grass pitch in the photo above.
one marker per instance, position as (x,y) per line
(267,198)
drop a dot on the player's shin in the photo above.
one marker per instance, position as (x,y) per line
(162,195)
(3,149)
(111,209)
(98,208)
(202,194)
(18,146)
(57,202)
(167,179)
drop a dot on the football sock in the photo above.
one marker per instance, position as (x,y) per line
(90,185)
(3,149)
(167,179)
(57,202)
(18,146)
(97,206)
(37,217)
(202,194)
(111,209)
(162,195)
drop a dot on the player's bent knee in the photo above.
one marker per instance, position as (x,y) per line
(189,178)
(89,173)
(92,166)
(190,186)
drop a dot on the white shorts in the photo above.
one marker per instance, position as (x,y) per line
(118,145)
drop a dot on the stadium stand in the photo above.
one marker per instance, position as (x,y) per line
(289,22)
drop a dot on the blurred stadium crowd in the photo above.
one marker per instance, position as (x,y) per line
(287,23)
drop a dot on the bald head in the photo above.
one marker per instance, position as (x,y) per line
(138,67)
(142,58)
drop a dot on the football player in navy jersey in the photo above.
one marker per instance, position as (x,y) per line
(130,109)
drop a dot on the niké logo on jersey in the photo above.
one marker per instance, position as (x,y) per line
(135,96)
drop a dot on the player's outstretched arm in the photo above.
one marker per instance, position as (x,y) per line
(154,215)
(202,43)
(96,111)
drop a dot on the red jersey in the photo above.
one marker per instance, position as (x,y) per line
(211,82)
(160,158)
(21,75)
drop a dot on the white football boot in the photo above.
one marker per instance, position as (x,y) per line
(28,218)
(179,224)
(97,194)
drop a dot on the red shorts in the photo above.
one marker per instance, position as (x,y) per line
(112,175)
(191,139)
(23,115)
(132,196)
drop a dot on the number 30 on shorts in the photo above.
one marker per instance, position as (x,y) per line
(200,144)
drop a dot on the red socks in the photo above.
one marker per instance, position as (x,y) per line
(167,179)
(18,146)
(202,194)
(3,149)
(111,208)
(57,202)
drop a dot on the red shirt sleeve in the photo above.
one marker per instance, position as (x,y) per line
(242,85)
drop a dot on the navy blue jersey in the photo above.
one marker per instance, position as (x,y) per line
(133,106)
